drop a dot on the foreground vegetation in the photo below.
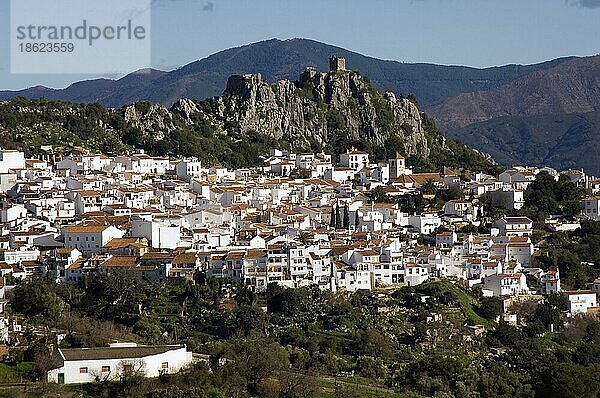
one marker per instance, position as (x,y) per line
(419,341)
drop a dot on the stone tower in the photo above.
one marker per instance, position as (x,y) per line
(337,64)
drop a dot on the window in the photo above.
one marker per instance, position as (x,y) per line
(105,369)
(127,368)
(83,370)
(165,365)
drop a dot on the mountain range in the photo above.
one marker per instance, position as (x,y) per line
(549,117)
(540,114)
(282,59)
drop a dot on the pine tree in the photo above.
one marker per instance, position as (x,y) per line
(346,217)
(338,219)
(333,221)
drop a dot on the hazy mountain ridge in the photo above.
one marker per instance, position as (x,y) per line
(562,140)
(549,117)
(469,95)
(282,59)
(570,87)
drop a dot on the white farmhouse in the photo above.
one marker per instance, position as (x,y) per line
(85,365)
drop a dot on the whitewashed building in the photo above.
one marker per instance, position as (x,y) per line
(86,365)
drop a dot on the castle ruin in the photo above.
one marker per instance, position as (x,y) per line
(337,64)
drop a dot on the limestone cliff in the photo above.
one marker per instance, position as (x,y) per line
(329,112)
(314,110)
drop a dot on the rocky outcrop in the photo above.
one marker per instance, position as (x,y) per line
(153,120)
(329,112)
(185,108)
(311,110)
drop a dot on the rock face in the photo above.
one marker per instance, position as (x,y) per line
(330,112)
(152,119)
(316,109)
(185,108)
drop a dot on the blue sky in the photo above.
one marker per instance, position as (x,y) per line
(464,32)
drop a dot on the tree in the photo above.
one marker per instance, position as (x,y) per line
(249,319)
(289,385)
(549,312)
(373,343)
(256,360)
(378,194)
(550,196)
(338,219)
(284,301)
(568,380)
(333,221)
(497,381)
(346,217)
(428,187)
(490,308)
(370,367)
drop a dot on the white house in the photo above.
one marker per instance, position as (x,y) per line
(506,284)
(462,208)
(425,223)
(85,365)
(339,174)
(591,207)
(89,239)
(162,235)
(514,226)
(550,282)
(511,199)
(354,159)
(415,274)
(11,160)
(445,239)
(11,215)
(188,169)
(7,182)
(580,301)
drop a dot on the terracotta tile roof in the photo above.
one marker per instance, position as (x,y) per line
(74,229)
(120,261)
(574,292)
(185,258)
(121,243)
(87,354)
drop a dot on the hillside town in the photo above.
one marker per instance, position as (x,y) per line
(301,219)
